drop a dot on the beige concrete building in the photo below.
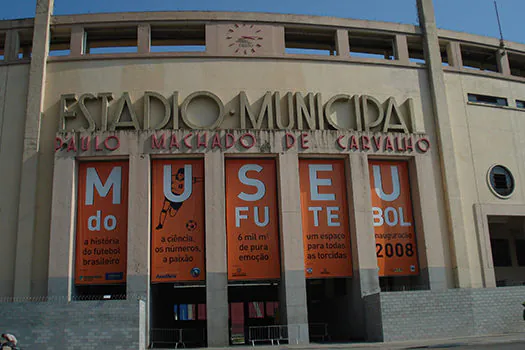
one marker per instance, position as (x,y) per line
(385,161)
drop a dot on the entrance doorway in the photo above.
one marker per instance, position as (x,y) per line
(253,310)
(507,241)
(329,309)
(178,316)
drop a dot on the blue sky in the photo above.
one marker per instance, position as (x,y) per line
(472,16)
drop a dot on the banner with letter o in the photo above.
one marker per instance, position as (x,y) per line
(396,248)
(102,223)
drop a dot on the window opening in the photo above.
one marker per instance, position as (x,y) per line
(307,41)
(492,100)
(371,45)
(182,38)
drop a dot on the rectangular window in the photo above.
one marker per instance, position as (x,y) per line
(479,58)
(371,45)
(182,38)
(517,64)
(416,52)
(309,41)
(111,41)
(520,104)
(500,252)
(491,100)
(520,251)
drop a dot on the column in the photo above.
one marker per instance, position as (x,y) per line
(502,58)
(401,49)
(144,38)
(77,44)
(138,225)
(428,228)
(28,186)
(454,54)
(12,45)
(365,280)
(62,238)
(216,253)
(445,145)
(342,43)
(292,249)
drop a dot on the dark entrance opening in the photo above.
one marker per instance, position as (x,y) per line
(178,316)
(507,242)
(330,310)
(254,314)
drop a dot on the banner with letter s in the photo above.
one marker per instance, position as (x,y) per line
(396,248)
(251,219)
(102,223)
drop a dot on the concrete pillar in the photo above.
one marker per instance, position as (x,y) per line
(401,49)
(342,43)
(211,34)
(365,280)
(216,253)
(12,46)
(502,58)
(454,54)
(487,263)
(138,225)
(28,186)
(292,249)
(433,272)
(78,41)
(62,239)
(445,146)
(144,38)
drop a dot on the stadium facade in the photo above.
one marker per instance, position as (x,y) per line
(212,179)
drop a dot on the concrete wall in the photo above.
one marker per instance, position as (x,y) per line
(13,94)
(485,135)
(78,325)
(455,312)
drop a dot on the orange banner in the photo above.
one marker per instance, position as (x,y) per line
(326,237)
(102,223)
(251,219)
(177,222)
(396,248)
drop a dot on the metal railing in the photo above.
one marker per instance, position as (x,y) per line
(177,337)
(274,334)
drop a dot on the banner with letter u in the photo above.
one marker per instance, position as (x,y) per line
(396,248)
(177,222)
(102,223)
(251,219)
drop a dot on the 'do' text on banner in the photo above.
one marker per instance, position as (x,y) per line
(102,223)
(251,219)
(177,222)
(326,235)
(395,237)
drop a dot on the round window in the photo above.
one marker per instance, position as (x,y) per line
(501,181)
